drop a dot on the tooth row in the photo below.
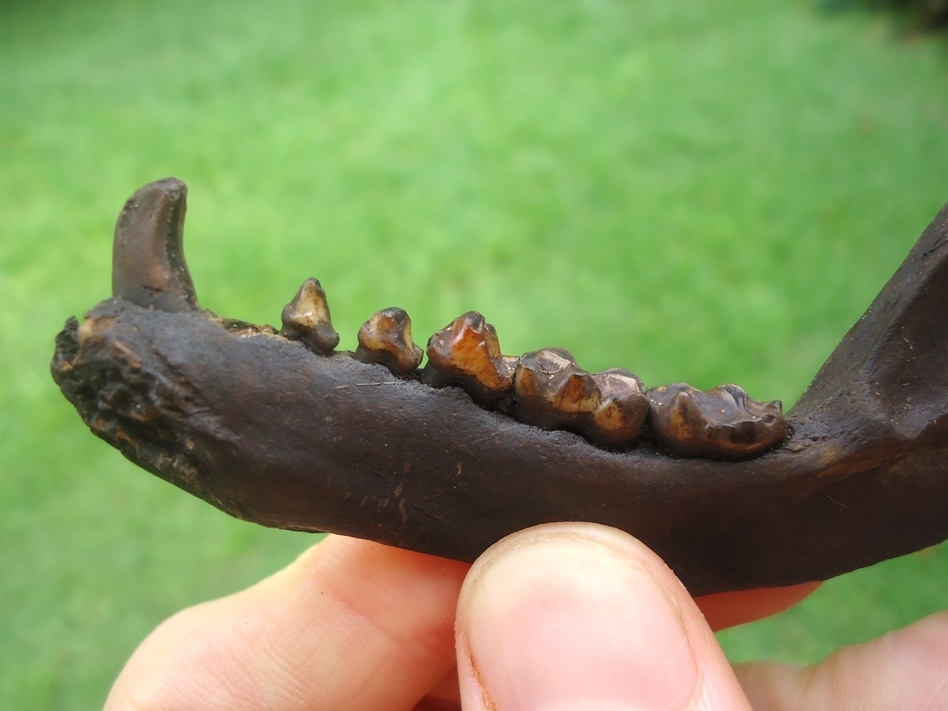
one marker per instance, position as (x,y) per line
(611,408)
(548,389)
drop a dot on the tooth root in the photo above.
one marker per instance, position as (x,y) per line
(466,353)
(386,338)
(148,266)
(551,391)
(722,422)
(306,318)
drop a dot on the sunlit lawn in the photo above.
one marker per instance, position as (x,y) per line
(708,192)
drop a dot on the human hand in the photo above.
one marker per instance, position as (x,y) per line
(561,617)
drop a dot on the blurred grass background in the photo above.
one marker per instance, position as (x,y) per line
(707,192)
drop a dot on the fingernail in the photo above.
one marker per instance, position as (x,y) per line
(572,624)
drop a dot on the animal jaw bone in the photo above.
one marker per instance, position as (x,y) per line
(287,433)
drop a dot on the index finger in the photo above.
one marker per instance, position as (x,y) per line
(349,625)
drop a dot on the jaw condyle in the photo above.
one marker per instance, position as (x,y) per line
(277,427)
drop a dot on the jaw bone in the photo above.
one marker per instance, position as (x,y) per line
(288,434)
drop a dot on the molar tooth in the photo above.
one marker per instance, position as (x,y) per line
(551,391)
(722,422)
(386,338)
(306,318)
(466,352)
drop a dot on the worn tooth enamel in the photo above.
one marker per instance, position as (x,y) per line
(551,391)
(306,318)
(466,353)
(623,410)
(386,338)
(722,422)
(148,267)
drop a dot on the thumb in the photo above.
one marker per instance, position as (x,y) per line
(581,617)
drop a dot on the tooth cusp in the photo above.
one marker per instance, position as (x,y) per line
(386,338)
(467,353)
(723,422)
(552,391)
(306,319)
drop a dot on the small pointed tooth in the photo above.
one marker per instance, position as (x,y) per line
(306,318)
(148,266)
(466,353)
(386,338)
(551,391)
(722,422)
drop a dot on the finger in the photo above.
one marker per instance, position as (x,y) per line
(724,610)
(443,696)
(575,617)
(906,670)
(720,610)
(349,625)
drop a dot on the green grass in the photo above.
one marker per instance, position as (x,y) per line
(708,192)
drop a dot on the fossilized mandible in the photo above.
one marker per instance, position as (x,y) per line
(280,429)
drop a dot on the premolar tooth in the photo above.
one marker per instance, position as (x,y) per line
(466,352)
(551,391)
(386,338)
(306,318)
(148,267)
(550,388)
(722,422)
(623,409)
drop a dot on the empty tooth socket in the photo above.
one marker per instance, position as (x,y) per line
(467,353)
(306,319)
(386,338)
(722,422)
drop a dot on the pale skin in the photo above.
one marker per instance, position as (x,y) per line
(561,617)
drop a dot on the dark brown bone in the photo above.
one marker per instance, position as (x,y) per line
(270,432)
